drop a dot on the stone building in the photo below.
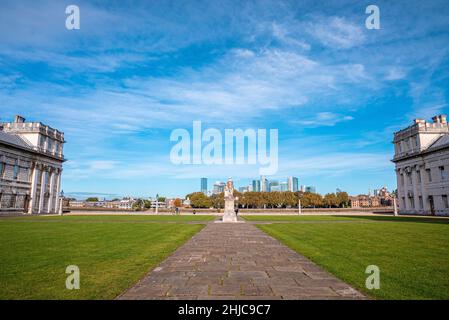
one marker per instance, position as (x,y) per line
(364,201)
(31,157)
(422,167)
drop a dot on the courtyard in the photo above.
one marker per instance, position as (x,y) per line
(192,257)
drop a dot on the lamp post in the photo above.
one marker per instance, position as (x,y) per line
(157,203)
(299,206)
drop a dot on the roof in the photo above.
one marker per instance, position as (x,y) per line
(14,140)
(441,142)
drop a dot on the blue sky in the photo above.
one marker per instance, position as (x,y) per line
(136,70)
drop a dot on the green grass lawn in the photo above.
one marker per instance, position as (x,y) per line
(412,253)
(35,251)
(115,218)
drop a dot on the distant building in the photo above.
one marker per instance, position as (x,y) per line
(264,186)
(243,189)
(218,187)
(303,188)
(364,201)
(310,189)
(126,203)
(284,186)
(292,184)
(204,185)
(31,157)
(273,185)
(256,185)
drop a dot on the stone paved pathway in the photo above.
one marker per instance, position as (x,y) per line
(238,261)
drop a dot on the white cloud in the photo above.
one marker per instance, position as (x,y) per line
(336,32)
(323,119)
(395,73)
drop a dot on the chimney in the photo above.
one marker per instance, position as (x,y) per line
(436,119)
(443,118)
(419,121)
(19,119)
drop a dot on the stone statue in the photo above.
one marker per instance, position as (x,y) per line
(229,212)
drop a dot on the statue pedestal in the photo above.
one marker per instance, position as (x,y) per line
(229,213)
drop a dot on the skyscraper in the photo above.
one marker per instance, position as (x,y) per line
(264,187)
(273,186)
(218,187)
(284,186)
(292,184)
(256,185)
(204,185)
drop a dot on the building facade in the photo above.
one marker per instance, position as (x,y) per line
(293,184)
(31,158)
(204,185)
(422,167)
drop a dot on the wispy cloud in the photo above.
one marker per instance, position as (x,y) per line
(327,119)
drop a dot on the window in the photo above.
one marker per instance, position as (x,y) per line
(50,145)
(443,173)
(445,202)
(415,139)
(421,203)
(418,174)
(412,202)
(403,202)
(402,179)
(409,176)
(2,169)
(429,175)
(16,170)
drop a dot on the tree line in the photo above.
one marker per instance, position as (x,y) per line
(283,199)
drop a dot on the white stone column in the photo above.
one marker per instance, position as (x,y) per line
(51,198)
(398,183)
(42,193)
(415,189)
(33,189)
(426,205)
(58,190)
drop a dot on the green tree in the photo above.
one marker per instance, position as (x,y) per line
(217,200)
(92,199)
(343,199)
(199,200)
(330,200)
(309,199)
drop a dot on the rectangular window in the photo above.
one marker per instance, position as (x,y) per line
(418,174)
(421,203)
(429,175)
(402,179)
(16,171)
(412,202)
(409,176)
(2,169)
(443,173)
(445,202)
(403,202)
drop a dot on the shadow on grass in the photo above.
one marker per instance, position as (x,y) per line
(436,220)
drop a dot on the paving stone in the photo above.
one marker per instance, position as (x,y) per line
(238,261)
